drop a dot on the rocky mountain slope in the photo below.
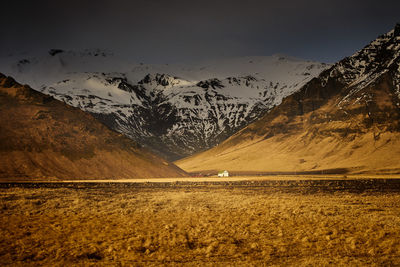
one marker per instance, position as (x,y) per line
(345,120)
(175,110)
(43,138)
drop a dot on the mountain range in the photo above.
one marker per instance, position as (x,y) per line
(174,110)
(345,120)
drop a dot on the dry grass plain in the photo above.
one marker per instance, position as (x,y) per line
(301,223)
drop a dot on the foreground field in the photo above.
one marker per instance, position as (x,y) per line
(235,223)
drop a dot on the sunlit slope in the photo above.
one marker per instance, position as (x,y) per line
(42,138)
(347,118)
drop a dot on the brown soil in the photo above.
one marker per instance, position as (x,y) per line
(298,223)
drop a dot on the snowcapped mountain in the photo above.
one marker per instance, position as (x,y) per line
(345,120)
(175,110)
(365,67)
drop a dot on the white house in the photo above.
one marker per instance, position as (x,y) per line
(223,174)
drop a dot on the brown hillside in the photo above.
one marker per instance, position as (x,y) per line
(42,138)
(347,119)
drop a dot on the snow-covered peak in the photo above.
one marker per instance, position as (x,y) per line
(365,65)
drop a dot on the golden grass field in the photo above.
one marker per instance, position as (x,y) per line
(233,223)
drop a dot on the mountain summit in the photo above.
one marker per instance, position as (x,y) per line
(345,120)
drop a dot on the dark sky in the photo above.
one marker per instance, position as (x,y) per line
(160,31)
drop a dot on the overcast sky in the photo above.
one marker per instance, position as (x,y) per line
(162,31)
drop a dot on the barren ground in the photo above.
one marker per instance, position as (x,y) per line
(307,222)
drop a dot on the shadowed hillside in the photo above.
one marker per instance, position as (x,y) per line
(42,138)
(347,118)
